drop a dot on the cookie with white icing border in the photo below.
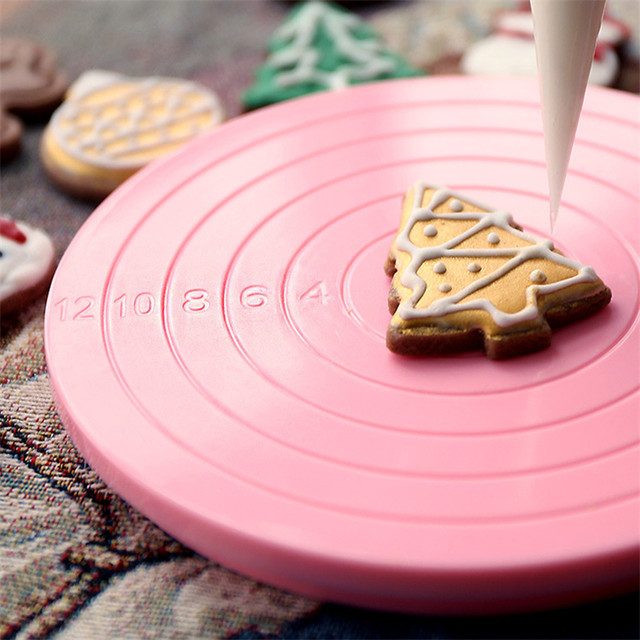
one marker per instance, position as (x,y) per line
(111,125)
(27,263)
(465,276)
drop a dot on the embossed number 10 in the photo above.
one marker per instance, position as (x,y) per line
(143,305)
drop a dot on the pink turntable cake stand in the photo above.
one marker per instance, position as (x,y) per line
(215,338)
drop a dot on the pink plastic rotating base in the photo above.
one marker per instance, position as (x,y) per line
(215,338)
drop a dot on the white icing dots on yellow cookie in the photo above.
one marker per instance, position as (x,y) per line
(439,267)
(493,238)
(430,231)
(445,288)
(473,267)
(538,276)
(456,205)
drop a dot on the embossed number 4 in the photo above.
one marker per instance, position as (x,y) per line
(316,293)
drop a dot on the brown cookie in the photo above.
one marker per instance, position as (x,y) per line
(31,87)
(27,263)
(466,276)
(10,136)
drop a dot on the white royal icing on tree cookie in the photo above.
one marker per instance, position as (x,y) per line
(539,248)
(363,58)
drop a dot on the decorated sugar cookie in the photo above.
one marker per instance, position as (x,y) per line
(466,276)
(510,49)
(27,262)
(322,47)
(110,126)
(30,86)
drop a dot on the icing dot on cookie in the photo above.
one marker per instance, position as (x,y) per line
(430,231)
(445,288)
(456,205)
(537,276)
(439,267)
(474,267)
(493,238)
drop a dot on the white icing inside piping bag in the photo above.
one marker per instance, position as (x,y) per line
(565,34)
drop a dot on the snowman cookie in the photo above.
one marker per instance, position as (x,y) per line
(510,49)
(27,263)
(466,276)
(111,125)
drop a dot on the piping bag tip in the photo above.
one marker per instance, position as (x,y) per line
(565,37)
(554,205)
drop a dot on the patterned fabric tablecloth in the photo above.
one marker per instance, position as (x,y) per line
(77,562)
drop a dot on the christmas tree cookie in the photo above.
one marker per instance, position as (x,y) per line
(322,47)
(466,276)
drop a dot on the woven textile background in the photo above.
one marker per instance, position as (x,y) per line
(76,562)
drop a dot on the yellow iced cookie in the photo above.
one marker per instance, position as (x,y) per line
(110,126)
(466,276)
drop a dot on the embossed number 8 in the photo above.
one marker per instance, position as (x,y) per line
(196,301)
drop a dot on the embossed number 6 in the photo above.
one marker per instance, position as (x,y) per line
(254,296)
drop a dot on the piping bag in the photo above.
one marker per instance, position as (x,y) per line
(565,34)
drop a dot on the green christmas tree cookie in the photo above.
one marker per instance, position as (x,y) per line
(322,47)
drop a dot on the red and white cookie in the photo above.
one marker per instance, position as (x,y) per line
(27,263)
(510,49)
